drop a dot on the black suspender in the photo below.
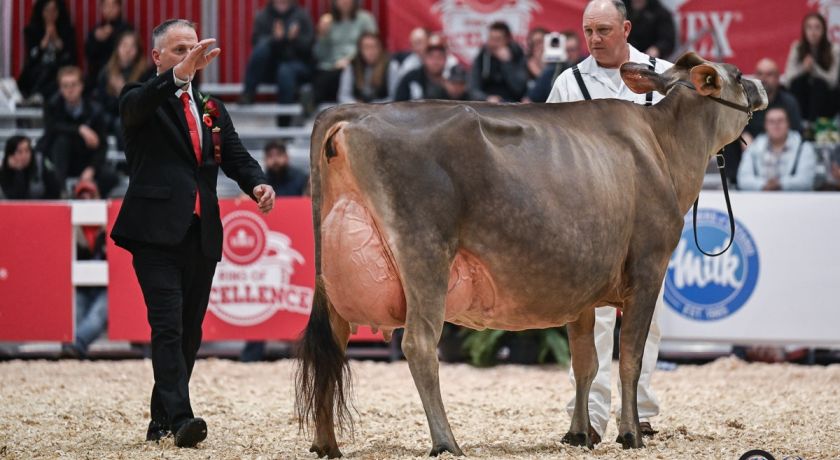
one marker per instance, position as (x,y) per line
(585,91)
(580,83)
(649,96)
(796,160)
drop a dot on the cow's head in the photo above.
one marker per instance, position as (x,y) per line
(738,96)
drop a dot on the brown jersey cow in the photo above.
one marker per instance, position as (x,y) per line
(508,217)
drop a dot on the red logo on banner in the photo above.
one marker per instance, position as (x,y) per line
(244,238)
(253,280)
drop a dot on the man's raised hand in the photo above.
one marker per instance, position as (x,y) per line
(197,59)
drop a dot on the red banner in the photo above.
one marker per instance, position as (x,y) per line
(36,250)
(262,289)
(736,31)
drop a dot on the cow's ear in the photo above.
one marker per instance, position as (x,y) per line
(641,79)
(706,80)
(689,60)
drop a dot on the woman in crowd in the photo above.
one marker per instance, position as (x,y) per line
(812,69)
(25,175)
(50,44)
(371,76)
(126,64)
(534,53)
(338,34)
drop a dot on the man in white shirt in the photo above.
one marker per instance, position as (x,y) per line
(606,29)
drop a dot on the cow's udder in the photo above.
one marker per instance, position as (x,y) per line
(363,281)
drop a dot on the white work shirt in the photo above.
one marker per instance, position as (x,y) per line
(600,83)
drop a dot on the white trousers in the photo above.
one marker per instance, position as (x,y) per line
(599,393)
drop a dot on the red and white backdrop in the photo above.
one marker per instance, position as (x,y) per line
(262,289)
(736,31)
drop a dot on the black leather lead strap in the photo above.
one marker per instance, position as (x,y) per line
(721,162)
(649,96)
(581,84)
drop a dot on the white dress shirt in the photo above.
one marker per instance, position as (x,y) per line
(600,82)
(184,87)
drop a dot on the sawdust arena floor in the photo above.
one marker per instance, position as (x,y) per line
(98,410)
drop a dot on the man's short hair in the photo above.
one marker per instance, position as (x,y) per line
(275,145)
(501,27)
(618,4)
(163,28)
(69,70)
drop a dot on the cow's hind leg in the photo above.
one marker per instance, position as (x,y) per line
(585,366)
(424,267)
(635,324)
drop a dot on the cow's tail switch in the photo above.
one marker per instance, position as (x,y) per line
(323,380)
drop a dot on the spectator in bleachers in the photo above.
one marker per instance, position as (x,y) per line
(50,44)
(128,63)
(75,132)
(539,91)
(286,181)
(534,54)
(25,174)
(768,72)
(371,75)
(426,82)
(653,32)
(812,69)
(91,301)
(499,72)
(456,84)
(412,60)
(282,38)
(102,40)
(338,35)
(779,159)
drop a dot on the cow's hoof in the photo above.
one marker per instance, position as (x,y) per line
(630,441)
(578,440)
(326,451)
(441,448)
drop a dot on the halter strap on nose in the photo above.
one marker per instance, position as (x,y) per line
(743,108)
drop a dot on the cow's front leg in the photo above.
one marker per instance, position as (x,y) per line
(425,276)
(635,324)
(585,366)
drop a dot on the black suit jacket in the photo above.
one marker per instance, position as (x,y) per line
(164,173)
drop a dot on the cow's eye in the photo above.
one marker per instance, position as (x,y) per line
(738,78)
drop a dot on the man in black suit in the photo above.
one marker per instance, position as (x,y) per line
(169,219)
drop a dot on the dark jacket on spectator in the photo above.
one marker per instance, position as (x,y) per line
(543,84)
(652,26)
(784,100)
(58,121)
(299,48)
(41,65)
(98,52)
(290,182)
(491,76)
(36,182)
(416,85)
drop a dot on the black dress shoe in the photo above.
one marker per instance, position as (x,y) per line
(191,432)
(156,431)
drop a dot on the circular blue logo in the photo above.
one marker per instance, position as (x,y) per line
(711,288)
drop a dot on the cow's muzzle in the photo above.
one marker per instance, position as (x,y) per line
(756,94)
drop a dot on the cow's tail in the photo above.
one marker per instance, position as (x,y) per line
(323,380)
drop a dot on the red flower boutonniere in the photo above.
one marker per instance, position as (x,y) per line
(211,114)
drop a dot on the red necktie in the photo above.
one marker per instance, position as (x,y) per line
(185,99)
